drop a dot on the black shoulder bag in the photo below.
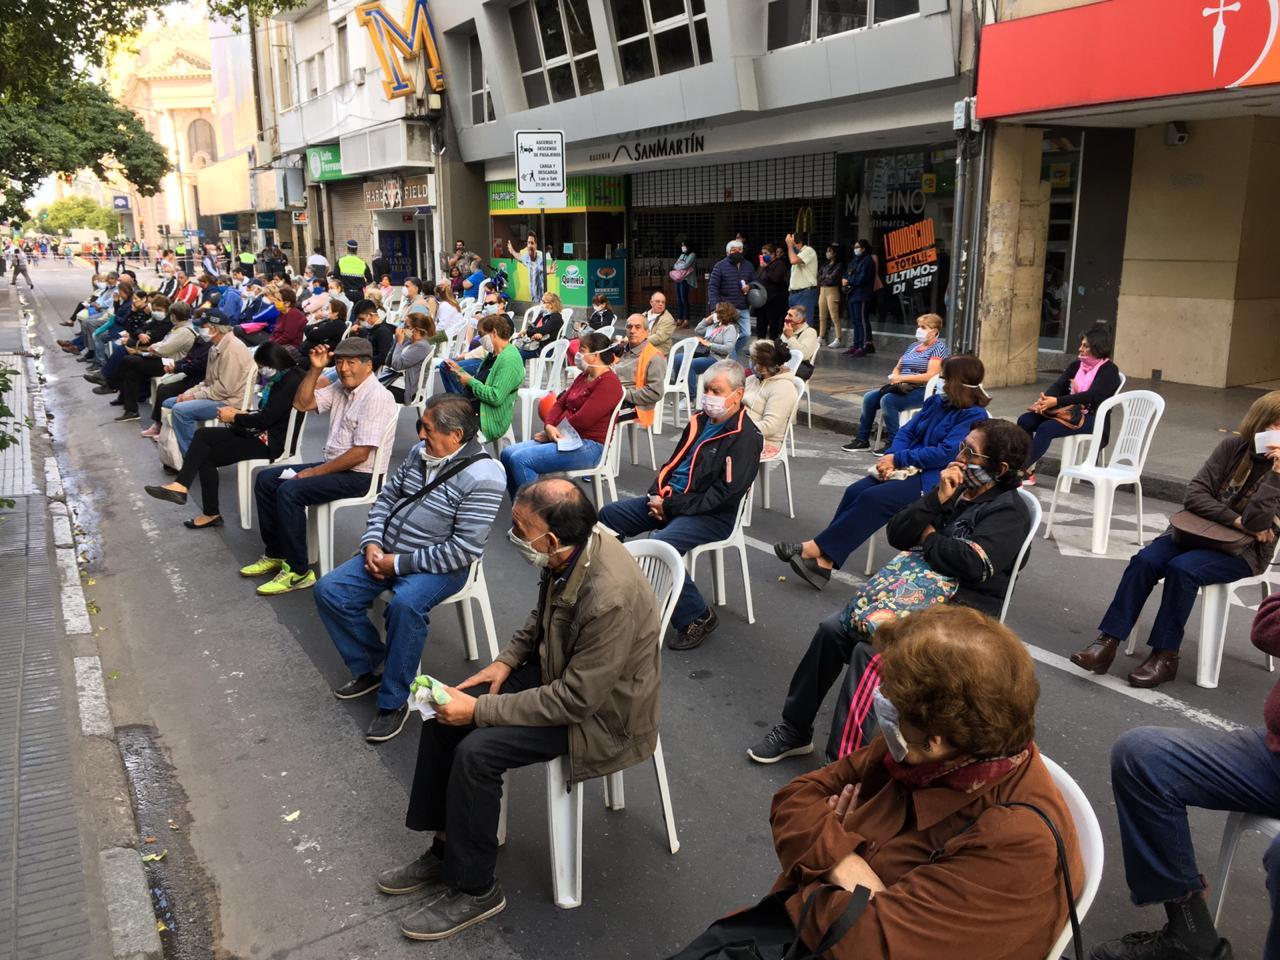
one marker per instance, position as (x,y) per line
(449,474)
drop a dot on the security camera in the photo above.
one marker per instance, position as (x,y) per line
(1176,134)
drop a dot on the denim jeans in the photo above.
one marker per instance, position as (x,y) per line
(860,322)
(1184,572)
(282,507)
(865,507)
(187,416)
(890,406)
(343,598)
(631,517)
(807,299)
(682,301)
(450,382)
(529,459)
(697,368)
(1156,773)
(744,337)
(1045,430)
(102,343)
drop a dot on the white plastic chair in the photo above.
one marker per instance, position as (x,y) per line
(935,385)
(606,470)
(1215,608)
(1089,835)
(546,373)
(566,317)
(805,396)
(474,590)
(679,364)
(529,316)
(1076,446)
(1034,508)
(320,516)
(156,383)
(246,401)
(1142,411)
(782,458)
(735,541)
(633,428)
(606,331)
(793,364)
(1237,824)
(427,374)
(245,469)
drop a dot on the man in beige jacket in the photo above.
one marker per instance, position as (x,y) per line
(662,325)
(228,373)
(579,680)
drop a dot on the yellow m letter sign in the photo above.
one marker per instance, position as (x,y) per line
(394,43)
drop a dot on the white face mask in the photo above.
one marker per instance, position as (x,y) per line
(430,460)
(921,334)
(206,335)
(527,550)
(887,716)
(157,314)
(580,362)
(487,342)
(684,249)
(713,406)
(267,372)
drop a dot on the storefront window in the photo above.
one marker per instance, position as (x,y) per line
(481,101)
(555,45)
(1060,166)
(672,34)
(797,21)
(893,9)
(903,203)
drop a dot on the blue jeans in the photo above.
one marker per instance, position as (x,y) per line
(807,299)
(865,507)
(187,416)
(529,459)
(890,406)
(343,598)
(282,507)
(631,517)
(102,342)
(682,301)
(1156,773)
(1184,572)
(450,381)
(699,366)
(860,322)
(744,337)
(1045,430)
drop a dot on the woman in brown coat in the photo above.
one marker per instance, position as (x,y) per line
(919,816)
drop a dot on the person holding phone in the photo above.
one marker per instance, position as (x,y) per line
(492,381)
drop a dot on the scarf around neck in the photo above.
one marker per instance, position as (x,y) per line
(964,774)
(1089,367)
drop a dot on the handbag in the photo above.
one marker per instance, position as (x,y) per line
(765,931)
(1071,416)
(902,586)
(901,389)
(679,276)
(1194,532)
(170,453)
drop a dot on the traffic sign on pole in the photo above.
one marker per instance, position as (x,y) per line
(540,174)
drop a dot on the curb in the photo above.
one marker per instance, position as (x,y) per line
(134,934)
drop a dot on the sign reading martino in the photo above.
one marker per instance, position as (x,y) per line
(396,43)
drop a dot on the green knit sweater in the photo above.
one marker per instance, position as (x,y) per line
(497,392)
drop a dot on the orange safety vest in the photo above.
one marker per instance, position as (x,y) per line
(644,417)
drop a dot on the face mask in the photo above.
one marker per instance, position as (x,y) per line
(157,314)
(430,460)
(976,476)
(580,363)
(684,249)
(267,372)
(831,257)
(921,334)
(100,285)
(858,251)
(887,717)
(713,407)
(487,342)
(206,335)
(735,257)
(526,548)
(765,258)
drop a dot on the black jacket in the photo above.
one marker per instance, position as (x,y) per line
(975,541)
(274,420)
(383,338)
(194,364)
(1106,383)
(723,467)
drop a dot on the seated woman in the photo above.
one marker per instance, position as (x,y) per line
(910,468)
(289,326)
(449,318)
(716,335)
(587,406)
(970,528)
(542,329)
(328,328)
(798,335)
(455,282)
(921,362)
(601,315)
(214,447)
(770,394)
(317,300)
(495,381)
(941,818)
(1236,488)
(1067,407)
(413,347)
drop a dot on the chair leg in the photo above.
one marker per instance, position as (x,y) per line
(786,475)
(1138,494)
(664,792)
(502,809)
(1230,840)
(564,824)
(469,629)
(653,457)
(766,482)
(717,566)
(1104,497)
(615,796)
(1215,607)
(1053,506)
(486,617)
(808,412)
(244,487)
(871,555)
(746,580)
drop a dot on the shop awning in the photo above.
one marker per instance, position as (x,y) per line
(1120,51)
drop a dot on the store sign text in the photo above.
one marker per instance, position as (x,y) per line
(893,202)
(911,256)
(657,149)
(395,43)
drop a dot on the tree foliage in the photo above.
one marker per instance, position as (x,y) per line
(68,213)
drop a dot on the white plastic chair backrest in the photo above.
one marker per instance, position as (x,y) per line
(794,361)
(1089,835)
(529,316)
(468,303)
(351,328)
(664,570)
(1036,512)
(382,458)
(551,360)
(566,315)
(1123,381)
(424,379)
(680,366)
(250,388)
(935,385)
(611,435)
(1142,410)
(606,331)
(293,433)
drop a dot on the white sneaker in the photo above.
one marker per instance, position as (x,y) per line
(833,344)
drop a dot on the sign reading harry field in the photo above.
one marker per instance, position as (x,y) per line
(540,178)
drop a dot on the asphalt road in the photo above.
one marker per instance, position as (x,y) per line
(237,688)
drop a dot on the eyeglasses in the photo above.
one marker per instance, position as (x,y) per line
(969,453)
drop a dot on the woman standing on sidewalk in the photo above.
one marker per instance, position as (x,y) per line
(684,274)
(1236,490)
(860,286)
(830,287)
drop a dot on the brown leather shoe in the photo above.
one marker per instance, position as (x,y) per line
(1160,667)
(1097,657)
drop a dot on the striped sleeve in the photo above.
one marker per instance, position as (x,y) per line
(392,490)
(482,487)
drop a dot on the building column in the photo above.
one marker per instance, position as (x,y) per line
(1013,257)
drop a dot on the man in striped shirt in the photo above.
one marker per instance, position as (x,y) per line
(428,526)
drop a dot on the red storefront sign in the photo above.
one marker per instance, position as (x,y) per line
(1120,50)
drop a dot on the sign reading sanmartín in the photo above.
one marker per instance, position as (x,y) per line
(660,148)
(396,42)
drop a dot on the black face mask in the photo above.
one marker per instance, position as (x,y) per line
(735,257)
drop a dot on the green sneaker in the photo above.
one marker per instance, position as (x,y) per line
(261,567)
(286,581)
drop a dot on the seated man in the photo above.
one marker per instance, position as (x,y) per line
(147,360)
(359,408)
(229,369)
(642,368)
(429,525)
(695,498)
(581,677)
(1156,774)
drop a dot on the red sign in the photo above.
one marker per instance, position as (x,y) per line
(1121,50)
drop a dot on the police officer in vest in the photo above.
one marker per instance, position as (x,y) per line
(183,253)
(353,272)
(247,260)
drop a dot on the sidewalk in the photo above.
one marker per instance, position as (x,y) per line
(1195,418)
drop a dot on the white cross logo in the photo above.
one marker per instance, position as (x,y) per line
(1220,28)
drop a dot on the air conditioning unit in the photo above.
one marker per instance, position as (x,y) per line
(358,75)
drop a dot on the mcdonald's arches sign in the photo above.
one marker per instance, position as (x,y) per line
(395,42)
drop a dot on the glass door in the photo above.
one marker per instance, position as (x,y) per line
(1061,151)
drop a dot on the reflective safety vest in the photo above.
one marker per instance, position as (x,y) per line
(644,417)
(247,257)
(352,266)
(180,249)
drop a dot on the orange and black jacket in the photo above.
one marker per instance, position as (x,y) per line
(722,468)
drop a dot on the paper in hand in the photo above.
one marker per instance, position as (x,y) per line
(569,438)
(288,473)
(1265,439)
